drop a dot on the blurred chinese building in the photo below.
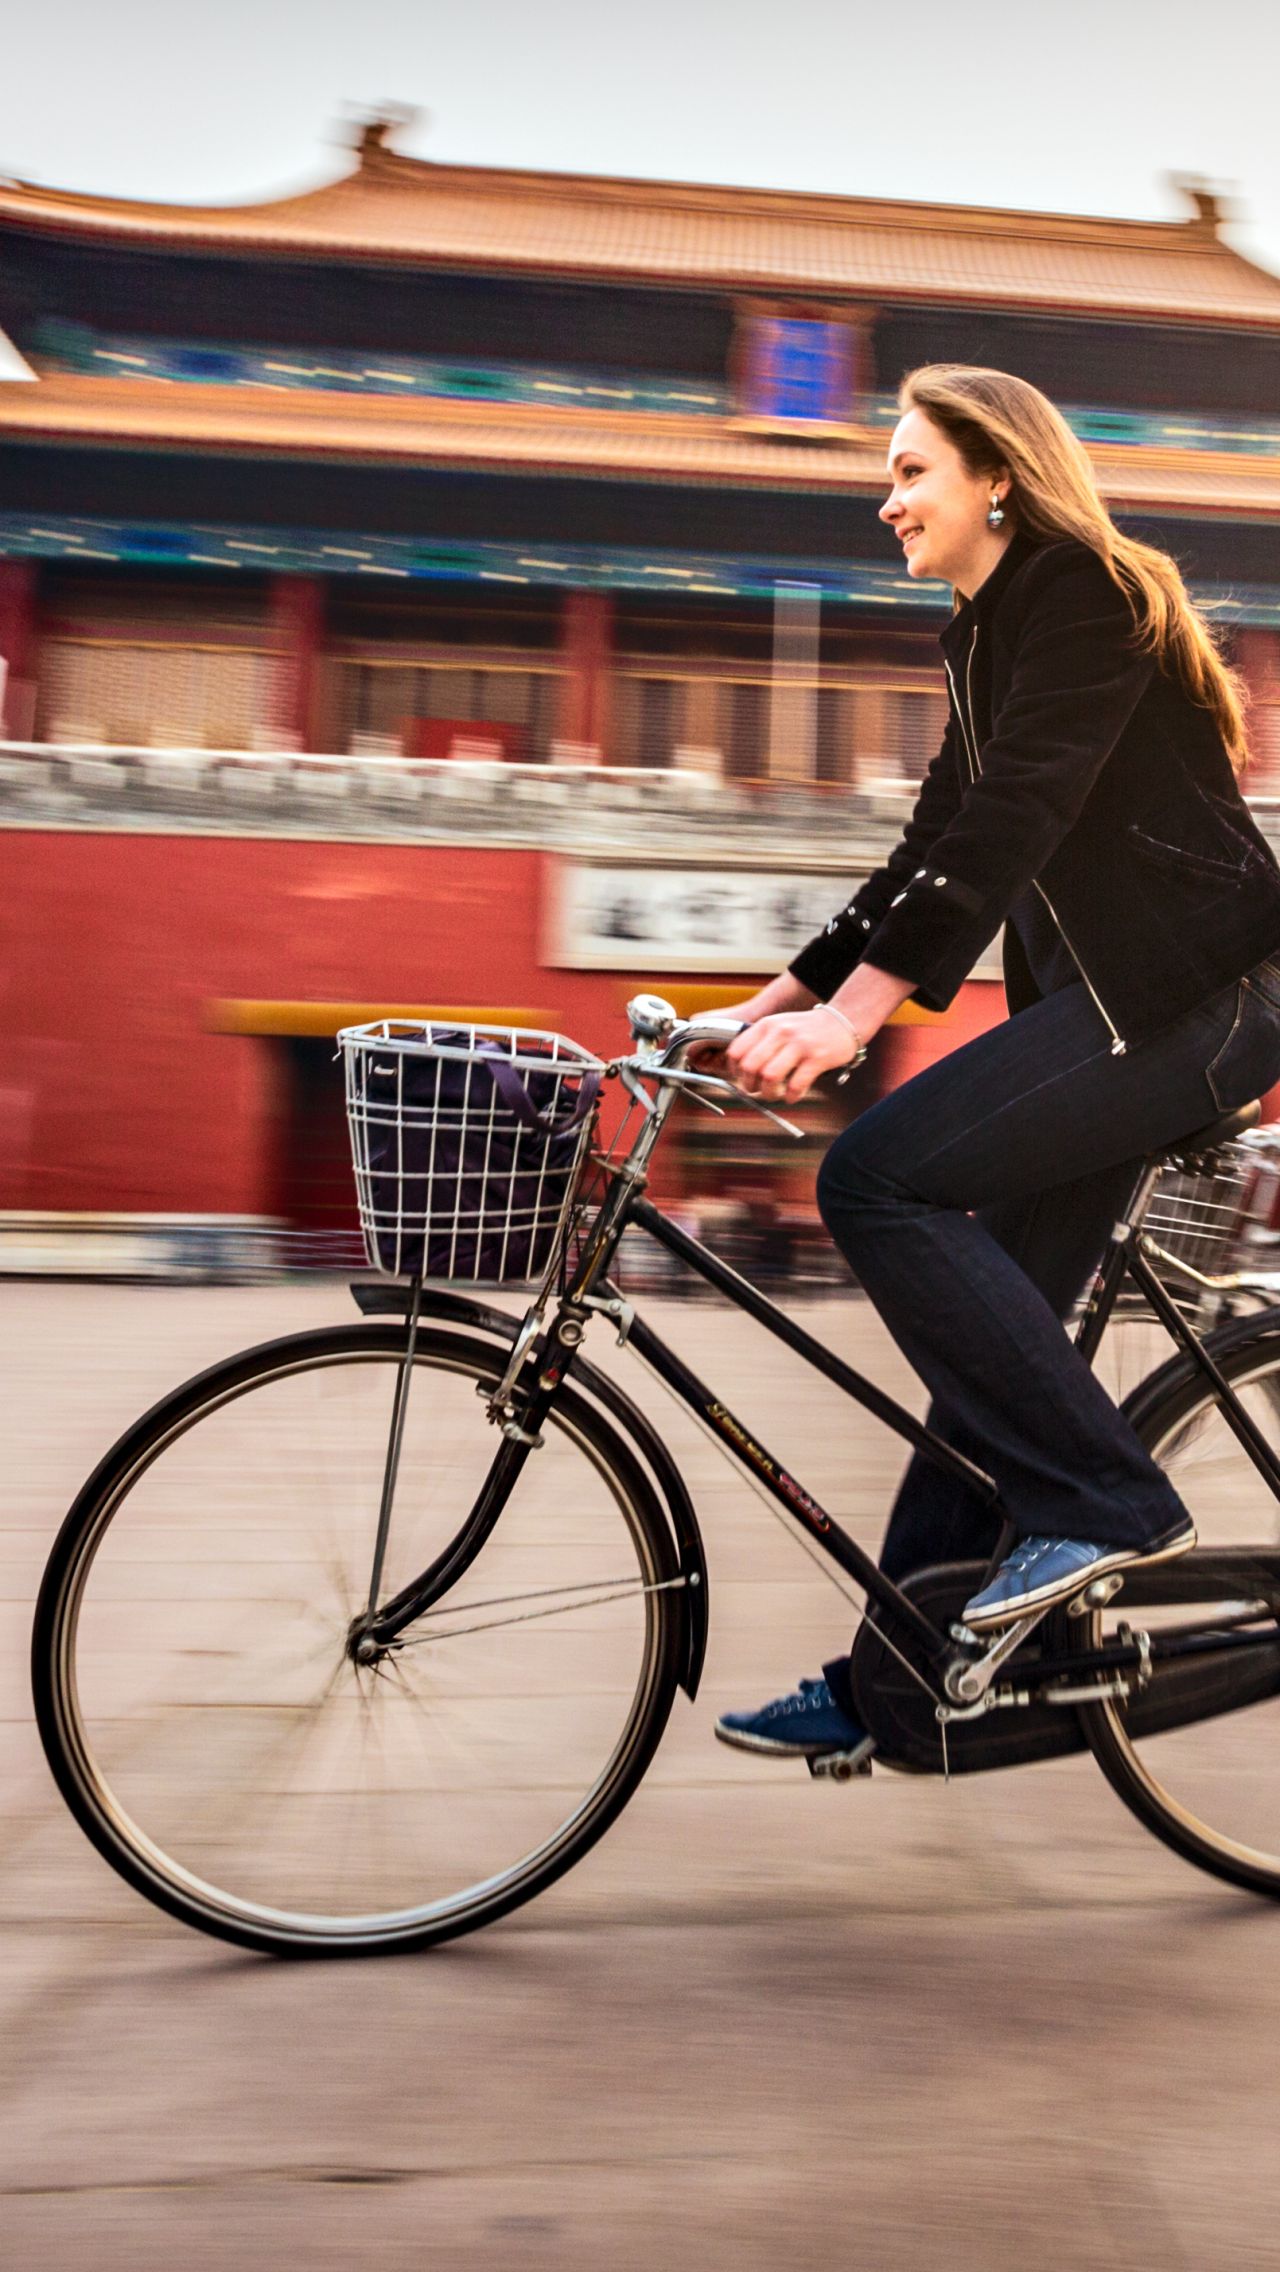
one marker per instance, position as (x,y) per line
(455,587)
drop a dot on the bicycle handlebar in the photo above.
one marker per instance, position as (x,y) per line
(665,1041)
(669,1037)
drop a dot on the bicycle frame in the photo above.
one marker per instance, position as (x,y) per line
(540,1362)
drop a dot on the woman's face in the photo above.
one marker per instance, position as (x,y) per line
(938,509)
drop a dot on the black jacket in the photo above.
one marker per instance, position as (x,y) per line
(1073,764)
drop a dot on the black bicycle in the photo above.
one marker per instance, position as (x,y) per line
(363,1637)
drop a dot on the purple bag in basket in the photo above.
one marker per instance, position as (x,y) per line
(470,1159)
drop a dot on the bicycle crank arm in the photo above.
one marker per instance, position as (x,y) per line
(966,1681)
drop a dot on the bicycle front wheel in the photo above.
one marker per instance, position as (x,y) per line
(1208,1785)
(200,1707)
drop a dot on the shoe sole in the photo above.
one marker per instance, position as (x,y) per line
(1050,1597)
(772,1748)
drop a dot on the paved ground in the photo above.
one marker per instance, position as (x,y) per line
(768,2026)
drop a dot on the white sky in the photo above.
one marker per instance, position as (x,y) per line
(1085,108)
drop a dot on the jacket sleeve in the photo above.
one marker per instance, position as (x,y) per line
(826,962)
(1077,679)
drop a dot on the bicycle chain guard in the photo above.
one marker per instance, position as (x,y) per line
(893,1708)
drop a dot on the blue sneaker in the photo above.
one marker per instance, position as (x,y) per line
(1041,1572)
(806,1725)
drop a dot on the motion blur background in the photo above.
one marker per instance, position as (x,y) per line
(440,573)
(452,581)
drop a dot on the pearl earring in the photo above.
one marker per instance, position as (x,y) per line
(996,514)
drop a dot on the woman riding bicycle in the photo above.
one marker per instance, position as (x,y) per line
(1085,796)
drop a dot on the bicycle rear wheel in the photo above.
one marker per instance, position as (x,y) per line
(1209,1787)
(197,1700)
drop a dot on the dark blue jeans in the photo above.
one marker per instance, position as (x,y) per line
(974,1203)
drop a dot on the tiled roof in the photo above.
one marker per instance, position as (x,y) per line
(586,443)
(392,208)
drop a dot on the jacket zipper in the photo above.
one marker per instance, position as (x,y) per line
(970,737)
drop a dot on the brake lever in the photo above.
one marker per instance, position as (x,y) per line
(776,1117)
(686,1079)
(721,1111)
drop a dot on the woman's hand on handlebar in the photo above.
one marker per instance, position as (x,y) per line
(781,994)
(778,1059)
(783,1052)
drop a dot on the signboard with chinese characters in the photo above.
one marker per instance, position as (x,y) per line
(640,916)
(616,915)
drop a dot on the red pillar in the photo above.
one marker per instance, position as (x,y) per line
(1257,655)
(296,632)
(18,644)
(586,653)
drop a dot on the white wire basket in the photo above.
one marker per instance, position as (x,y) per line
(1216,1217)
(468,1142)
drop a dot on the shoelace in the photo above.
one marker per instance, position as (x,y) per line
(1022,1558)
(811,1696)
(1019,1562)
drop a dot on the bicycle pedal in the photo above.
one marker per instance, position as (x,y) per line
(1096,1594)
(842,1766)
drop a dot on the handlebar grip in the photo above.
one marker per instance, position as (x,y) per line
(695,1031)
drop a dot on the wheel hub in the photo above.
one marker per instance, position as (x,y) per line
(363,1647)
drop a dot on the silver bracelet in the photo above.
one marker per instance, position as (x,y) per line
(859,1045)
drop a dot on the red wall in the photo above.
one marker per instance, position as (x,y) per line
(114,1092)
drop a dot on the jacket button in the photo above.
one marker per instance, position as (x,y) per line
(939,880)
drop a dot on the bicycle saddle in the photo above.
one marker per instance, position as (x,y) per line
(1214,1132)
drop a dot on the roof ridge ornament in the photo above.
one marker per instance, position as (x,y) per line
(1211,212)
(374,131)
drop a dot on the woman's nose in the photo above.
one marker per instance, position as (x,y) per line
(889,508)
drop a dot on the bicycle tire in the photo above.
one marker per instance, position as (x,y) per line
(465,1362)
(1165,1412)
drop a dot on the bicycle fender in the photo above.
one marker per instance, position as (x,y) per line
(386,1298)
(1256,1324)
(382,1299)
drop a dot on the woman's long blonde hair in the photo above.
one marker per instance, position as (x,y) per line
(998,422)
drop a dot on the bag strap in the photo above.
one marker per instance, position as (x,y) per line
(516,1097)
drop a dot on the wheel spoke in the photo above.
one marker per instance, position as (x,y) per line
(606,1590)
